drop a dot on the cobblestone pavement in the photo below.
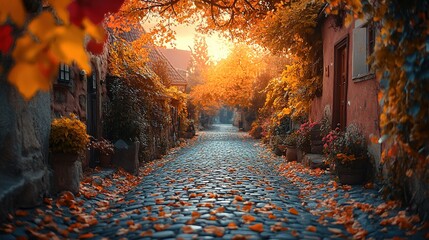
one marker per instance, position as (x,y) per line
(228,186)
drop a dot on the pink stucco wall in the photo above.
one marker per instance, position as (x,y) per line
(362,104)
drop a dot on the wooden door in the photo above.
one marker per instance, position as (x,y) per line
(339,113)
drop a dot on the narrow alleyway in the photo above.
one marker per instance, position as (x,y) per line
(225,185)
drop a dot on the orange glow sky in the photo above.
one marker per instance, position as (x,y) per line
(218,47)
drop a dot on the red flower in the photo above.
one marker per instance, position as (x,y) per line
(92,9)
(6,38)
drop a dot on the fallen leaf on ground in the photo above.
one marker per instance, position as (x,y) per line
(259,227)
(218,231)
(239,237)
(21,213)
(238,198)
(160,227)
(187,229)
(147,233)
(311,228)
(232,226)
(86,236)
(196,214)
(248,218)
(293,211)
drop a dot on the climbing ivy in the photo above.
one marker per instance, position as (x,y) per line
(401,62)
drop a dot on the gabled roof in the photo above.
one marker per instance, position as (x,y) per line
(155,57)
(180,59)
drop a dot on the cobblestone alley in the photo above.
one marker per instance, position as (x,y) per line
(224,185)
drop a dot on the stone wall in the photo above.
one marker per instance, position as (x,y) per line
(24,142)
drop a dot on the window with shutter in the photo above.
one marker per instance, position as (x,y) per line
(363,47)
(359,55)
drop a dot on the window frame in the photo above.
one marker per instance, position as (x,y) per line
(370,35)
(64,74)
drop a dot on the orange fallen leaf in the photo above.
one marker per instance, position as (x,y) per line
(159,201)
(195,214)
(294,233)
(86,236)
(269,188)
(238,198)
(88,219)
(147,233)
(187,229)
(220,209)
(272,216)
(232,226)
(239,237)
(21,213)
(212,218)
(247,208)
(259,227)
(293,211)
(218,231)
(311,228)
(160,227)
(192,195)
(248,218)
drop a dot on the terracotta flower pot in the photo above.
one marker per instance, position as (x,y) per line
(291,153)
(353,172)
(282,148)
(67,172)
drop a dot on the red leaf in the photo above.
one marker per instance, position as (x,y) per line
(92,9)
(6,38)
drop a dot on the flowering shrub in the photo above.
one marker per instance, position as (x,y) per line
(104,146)
(68,135)
(345,146)
(256,130)
(291,139)
(303,136)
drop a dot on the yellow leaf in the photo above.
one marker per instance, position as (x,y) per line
(43,26)
(60,7)
(27,49)
(70,47)
(348,20)
(14,9)
(28,78)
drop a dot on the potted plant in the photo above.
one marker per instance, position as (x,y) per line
(275,142)
(67,143)
(291,149)
(347,154)
(105,148)
(303,142)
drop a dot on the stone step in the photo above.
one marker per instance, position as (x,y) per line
(314,161)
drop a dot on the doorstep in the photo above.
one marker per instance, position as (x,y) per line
(314,161)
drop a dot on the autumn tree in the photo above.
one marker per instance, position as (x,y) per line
(200,62)
(37,36)
(231,80)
